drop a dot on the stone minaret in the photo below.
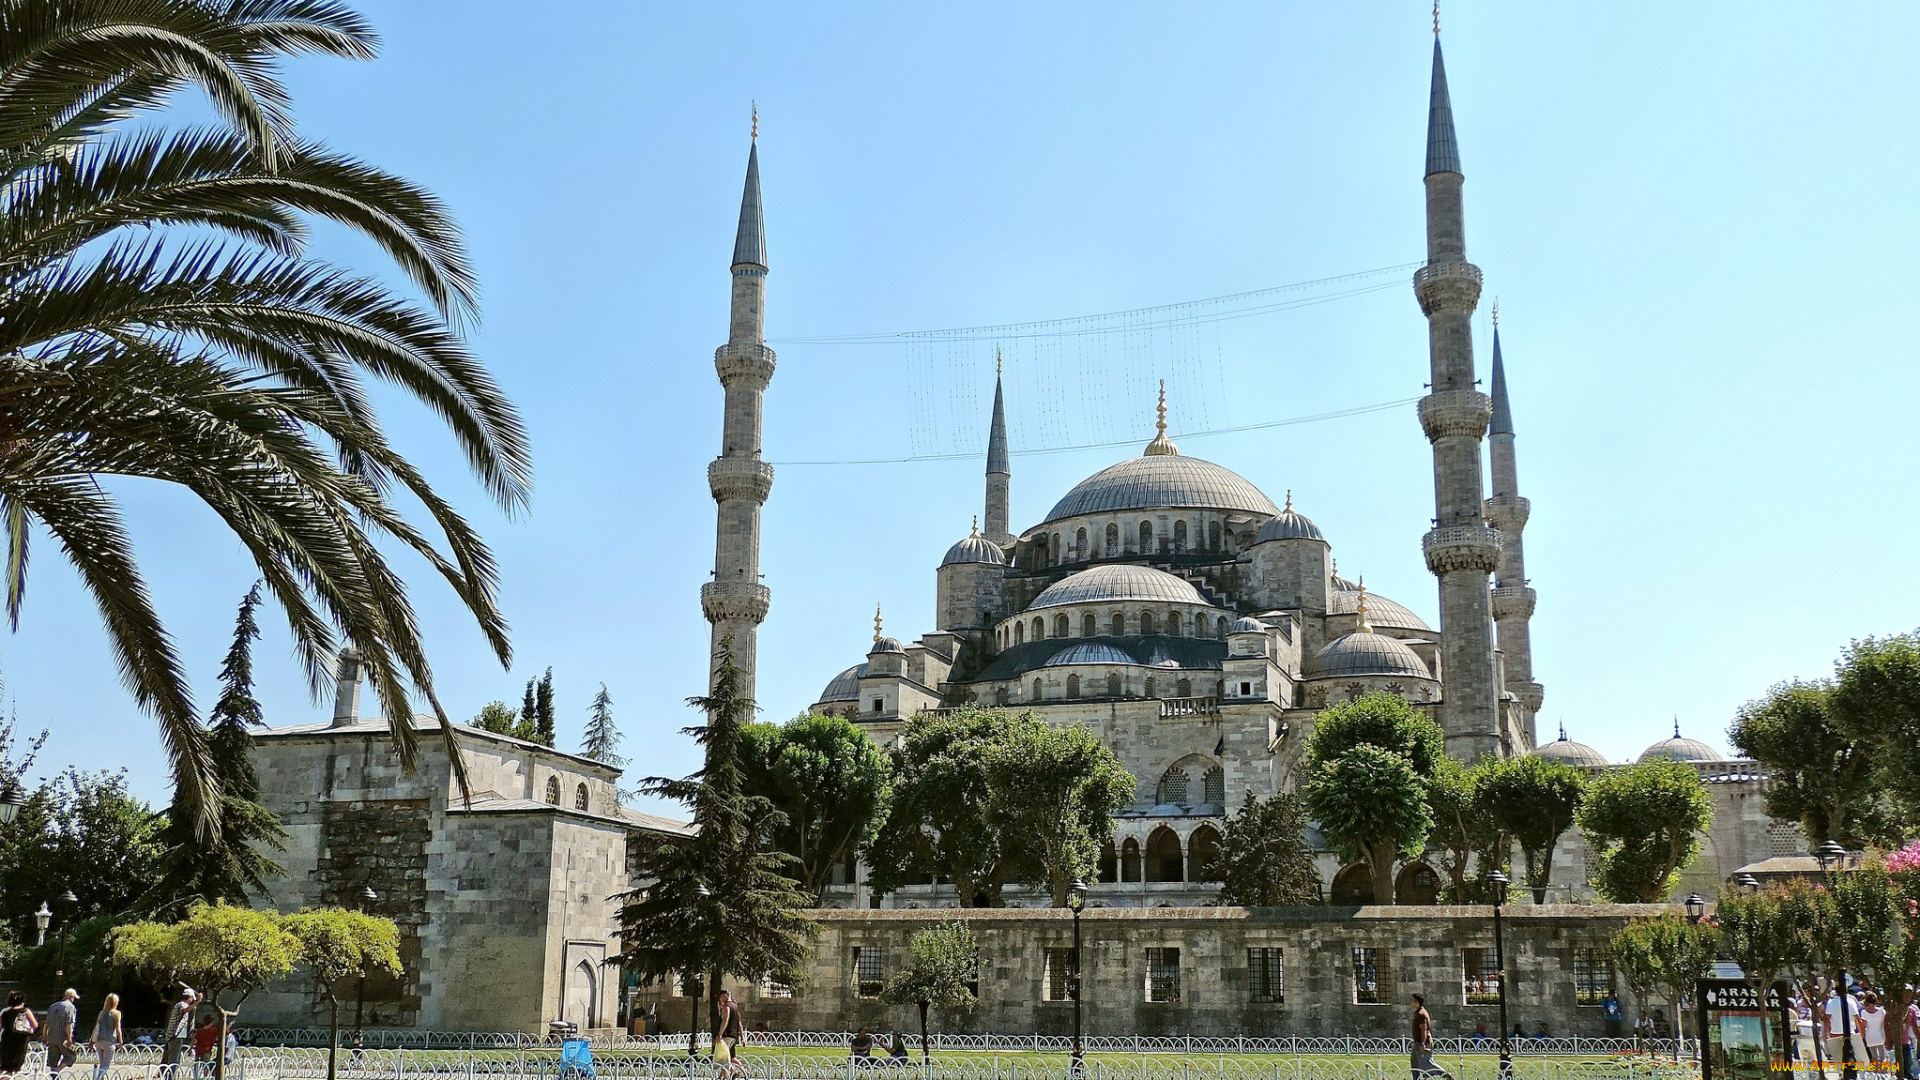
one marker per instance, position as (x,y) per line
(999,473)
(1461,550)
(1507,511)
(734,601)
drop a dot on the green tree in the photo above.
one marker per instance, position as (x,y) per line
(943,964)
(1372,806)
(218,949)
(162,319)
(1463,830)
(497,717)
(1378,719)
(83,831)
(340,947)
(1668,955)
(1643,823)
(602,739)
(236,862)
(1533,800)
(1264,860)
(1763,933)
(1820,776)
(941,820)
(828,780)
(543,732)
(1056,790)
(720,902)
(1876,701)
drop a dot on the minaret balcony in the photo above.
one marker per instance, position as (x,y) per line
(744,363)
(734,478)
(1512,602)
(1508,513)
(727,601)
(1531,694)
(1447,286)
(1455,414)
(1462,547)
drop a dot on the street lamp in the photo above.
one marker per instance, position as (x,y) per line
(1498,882)
(368,898)
(1747,882)
(1696,906)
(1832,857)
(1076,900)
(41,920)
(68,903)
(702,896)
(10,804)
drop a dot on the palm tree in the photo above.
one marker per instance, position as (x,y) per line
(159,319)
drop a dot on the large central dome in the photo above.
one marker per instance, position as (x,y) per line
(1159,481)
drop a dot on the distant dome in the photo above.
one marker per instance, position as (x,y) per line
(844,686)
(1573,753)
(1365,654)
(975,549)
(1103,584)
(886,645)
(1159,481)
(1380,610)
(1090,653)
(1247,624)
(1679,749)
(1289,524)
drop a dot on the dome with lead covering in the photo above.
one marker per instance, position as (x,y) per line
(1247,624)
(1289,524)
(844,686)
(1365,654)
(1090,653)
(1577,754)
(1380,610)
(975,549)
(885,645)
(1679,749)
(1161,481)
(1104,584)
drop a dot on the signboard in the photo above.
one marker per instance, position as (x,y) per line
(1746,1029)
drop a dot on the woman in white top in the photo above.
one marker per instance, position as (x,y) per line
(1873,1028)
(107,1035)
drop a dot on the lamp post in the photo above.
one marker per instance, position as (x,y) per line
(1076,900)
(41,920)
(702,896)
(1696,906)
(10,804)
(1498,882)
(1832,857)
(68,904)
(1747,882)
(368,898)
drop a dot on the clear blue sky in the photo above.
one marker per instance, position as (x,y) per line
(1699,220)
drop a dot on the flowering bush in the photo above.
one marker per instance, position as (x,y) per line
(1907,859)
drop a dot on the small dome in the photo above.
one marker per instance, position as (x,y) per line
(1380,610)
(1091,652)
(1365,654)
(1247,624)
(1573,753)
(844,686)
(975,549)
(1289,524)
(1679,749)
(1103,584)
(885,645)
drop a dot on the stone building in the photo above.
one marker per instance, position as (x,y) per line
(505,899)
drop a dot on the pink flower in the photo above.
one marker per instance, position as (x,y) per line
(1907,858)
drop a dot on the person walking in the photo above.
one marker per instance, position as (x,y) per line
(178,1030)
(17,1028)
(63,1017)
(1873,1029)
(205,1045)
(1422,1055)
(728,1029)
(107,1036)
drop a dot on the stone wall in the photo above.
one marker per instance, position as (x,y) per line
(1416,950)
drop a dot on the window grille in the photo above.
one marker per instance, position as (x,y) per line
(1173,787)
(1213,786)
(1266,968)
(772,989)
(869,971)
(1163,975)
(1592,978)
(1479,977)
(1369,978)
(1059,975)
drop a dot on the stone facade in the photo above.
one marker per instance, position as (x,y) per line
(1555,957)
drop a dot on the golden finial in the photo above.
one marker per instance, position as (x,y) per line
(756,121)
(1360,607)
(1436,16)
(996,361)
(1160,425)
(976,526)
(876,624)
(1496,313)
(1288,509)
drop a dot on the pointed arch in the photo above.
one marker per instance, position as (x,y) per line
(1080,551)
(1417,884)
(1352,886)
(1165,861)
(1213,786)
(1089,625)
(553,790)
(1203,851)
(1180,535)
(1174,787)
(1183,688)
(1038,692)
(1113,539)
(1114,684)
(1146,537)
(1119,624)
(1130,859)
(1146,622)
(1061,628)
(1109,871)
(580,797)
(1073,688)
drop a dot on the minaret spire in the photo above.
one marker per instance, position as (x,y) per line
(1460,550)
(1513,600)
(734,601)
(1161,446)
(999,472)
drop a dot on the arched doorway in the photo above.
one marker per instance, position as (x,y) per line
(1130,860)
(1203,847)
(1417,884)
(582,998)
(1353,886)
(1164,862)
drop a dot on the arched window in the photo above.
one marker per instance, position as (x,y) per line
(1146,622)
(1037,693)
(1089,626)
(1164,862)
(1213,786)
(1040,550)
(1183,688)
(553,790)
(1060,625)
(1180,536)
(1352,886)
(1203,850)
(580,797)
(1000,695)
(1173,623)
(1173,787)
(1113,684)
(1059,549)
(1073,688)
(1150,692)
(1417,884)
(1130,859)
(1213,536)
(1039,628)
(1119,624)
(1220,627)
(1113,539)
(1146,537)
(1109,863)
(1220,688)
(1019,633)
(1080,545)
